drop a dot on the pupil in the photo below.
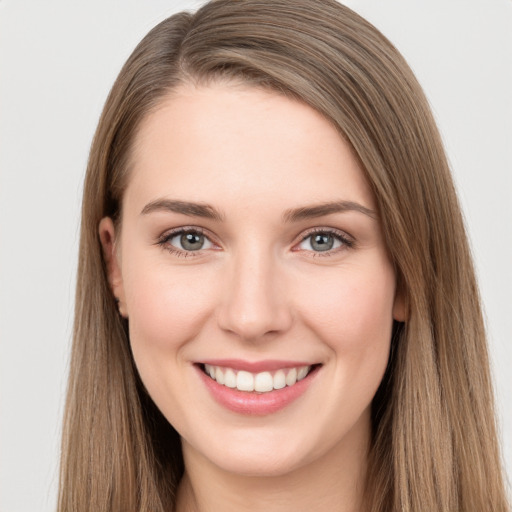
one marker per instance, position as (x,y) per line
(192,241)
(322,242)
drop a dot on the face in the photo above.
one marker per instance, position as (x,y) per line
(252,269)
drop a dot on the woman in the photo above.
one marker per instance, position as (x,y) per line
(276,305)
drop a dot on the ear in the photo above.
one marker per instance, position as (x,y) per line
(107,235)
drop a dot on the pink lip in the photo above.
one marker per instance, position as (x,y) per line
(256,366)
(255,404)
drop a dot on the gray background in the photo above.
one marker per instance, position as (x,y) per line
(58,60)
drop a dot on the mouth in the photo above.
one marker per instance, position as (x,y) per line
(256,389)
(260,382)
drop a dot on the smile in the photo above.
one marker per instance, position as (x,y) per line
(262,382)
(261,388)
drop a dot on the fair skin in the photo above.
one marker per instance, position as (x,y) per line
(262,279)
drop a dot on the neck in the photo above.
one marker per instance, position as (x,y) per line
(333,481)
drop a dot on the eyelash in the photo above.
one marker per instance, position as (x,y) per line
(346,242)
(163,241)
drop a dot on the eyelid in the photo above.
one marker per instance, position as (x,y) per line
(347,240)
(166,236)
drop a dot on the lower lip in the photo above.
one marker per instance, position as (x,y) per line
(253,403)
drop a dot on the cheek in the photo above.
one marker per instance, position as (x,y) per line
(166,306)
(166,310)
(353,314)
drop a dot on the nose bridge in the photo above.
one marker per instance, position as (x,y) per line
(255,301)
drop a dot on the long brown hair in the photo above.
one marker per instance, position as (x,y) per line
(434,444)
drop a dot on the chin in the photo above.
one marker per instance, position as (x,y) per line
(260,453)
(258,465)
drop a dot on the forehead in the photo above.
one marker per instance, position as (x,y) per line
(225,140)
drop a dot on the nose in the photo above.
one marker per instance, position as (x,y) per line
(254,303)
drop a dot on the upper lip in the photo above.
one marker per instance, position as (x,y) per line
(255,366)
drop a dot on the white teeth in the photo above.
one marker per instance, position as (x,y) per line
(230,378)
(262,382)
(280,380)
(244,381)
(210,370)
(302,372)
(291,378)
(219,375)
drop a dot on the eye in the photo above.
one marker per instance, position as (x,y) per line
(186,240)
(324,241)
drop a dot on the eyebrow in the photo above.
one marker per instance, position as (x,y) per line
(309,212)
(293,215)
(184,207)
